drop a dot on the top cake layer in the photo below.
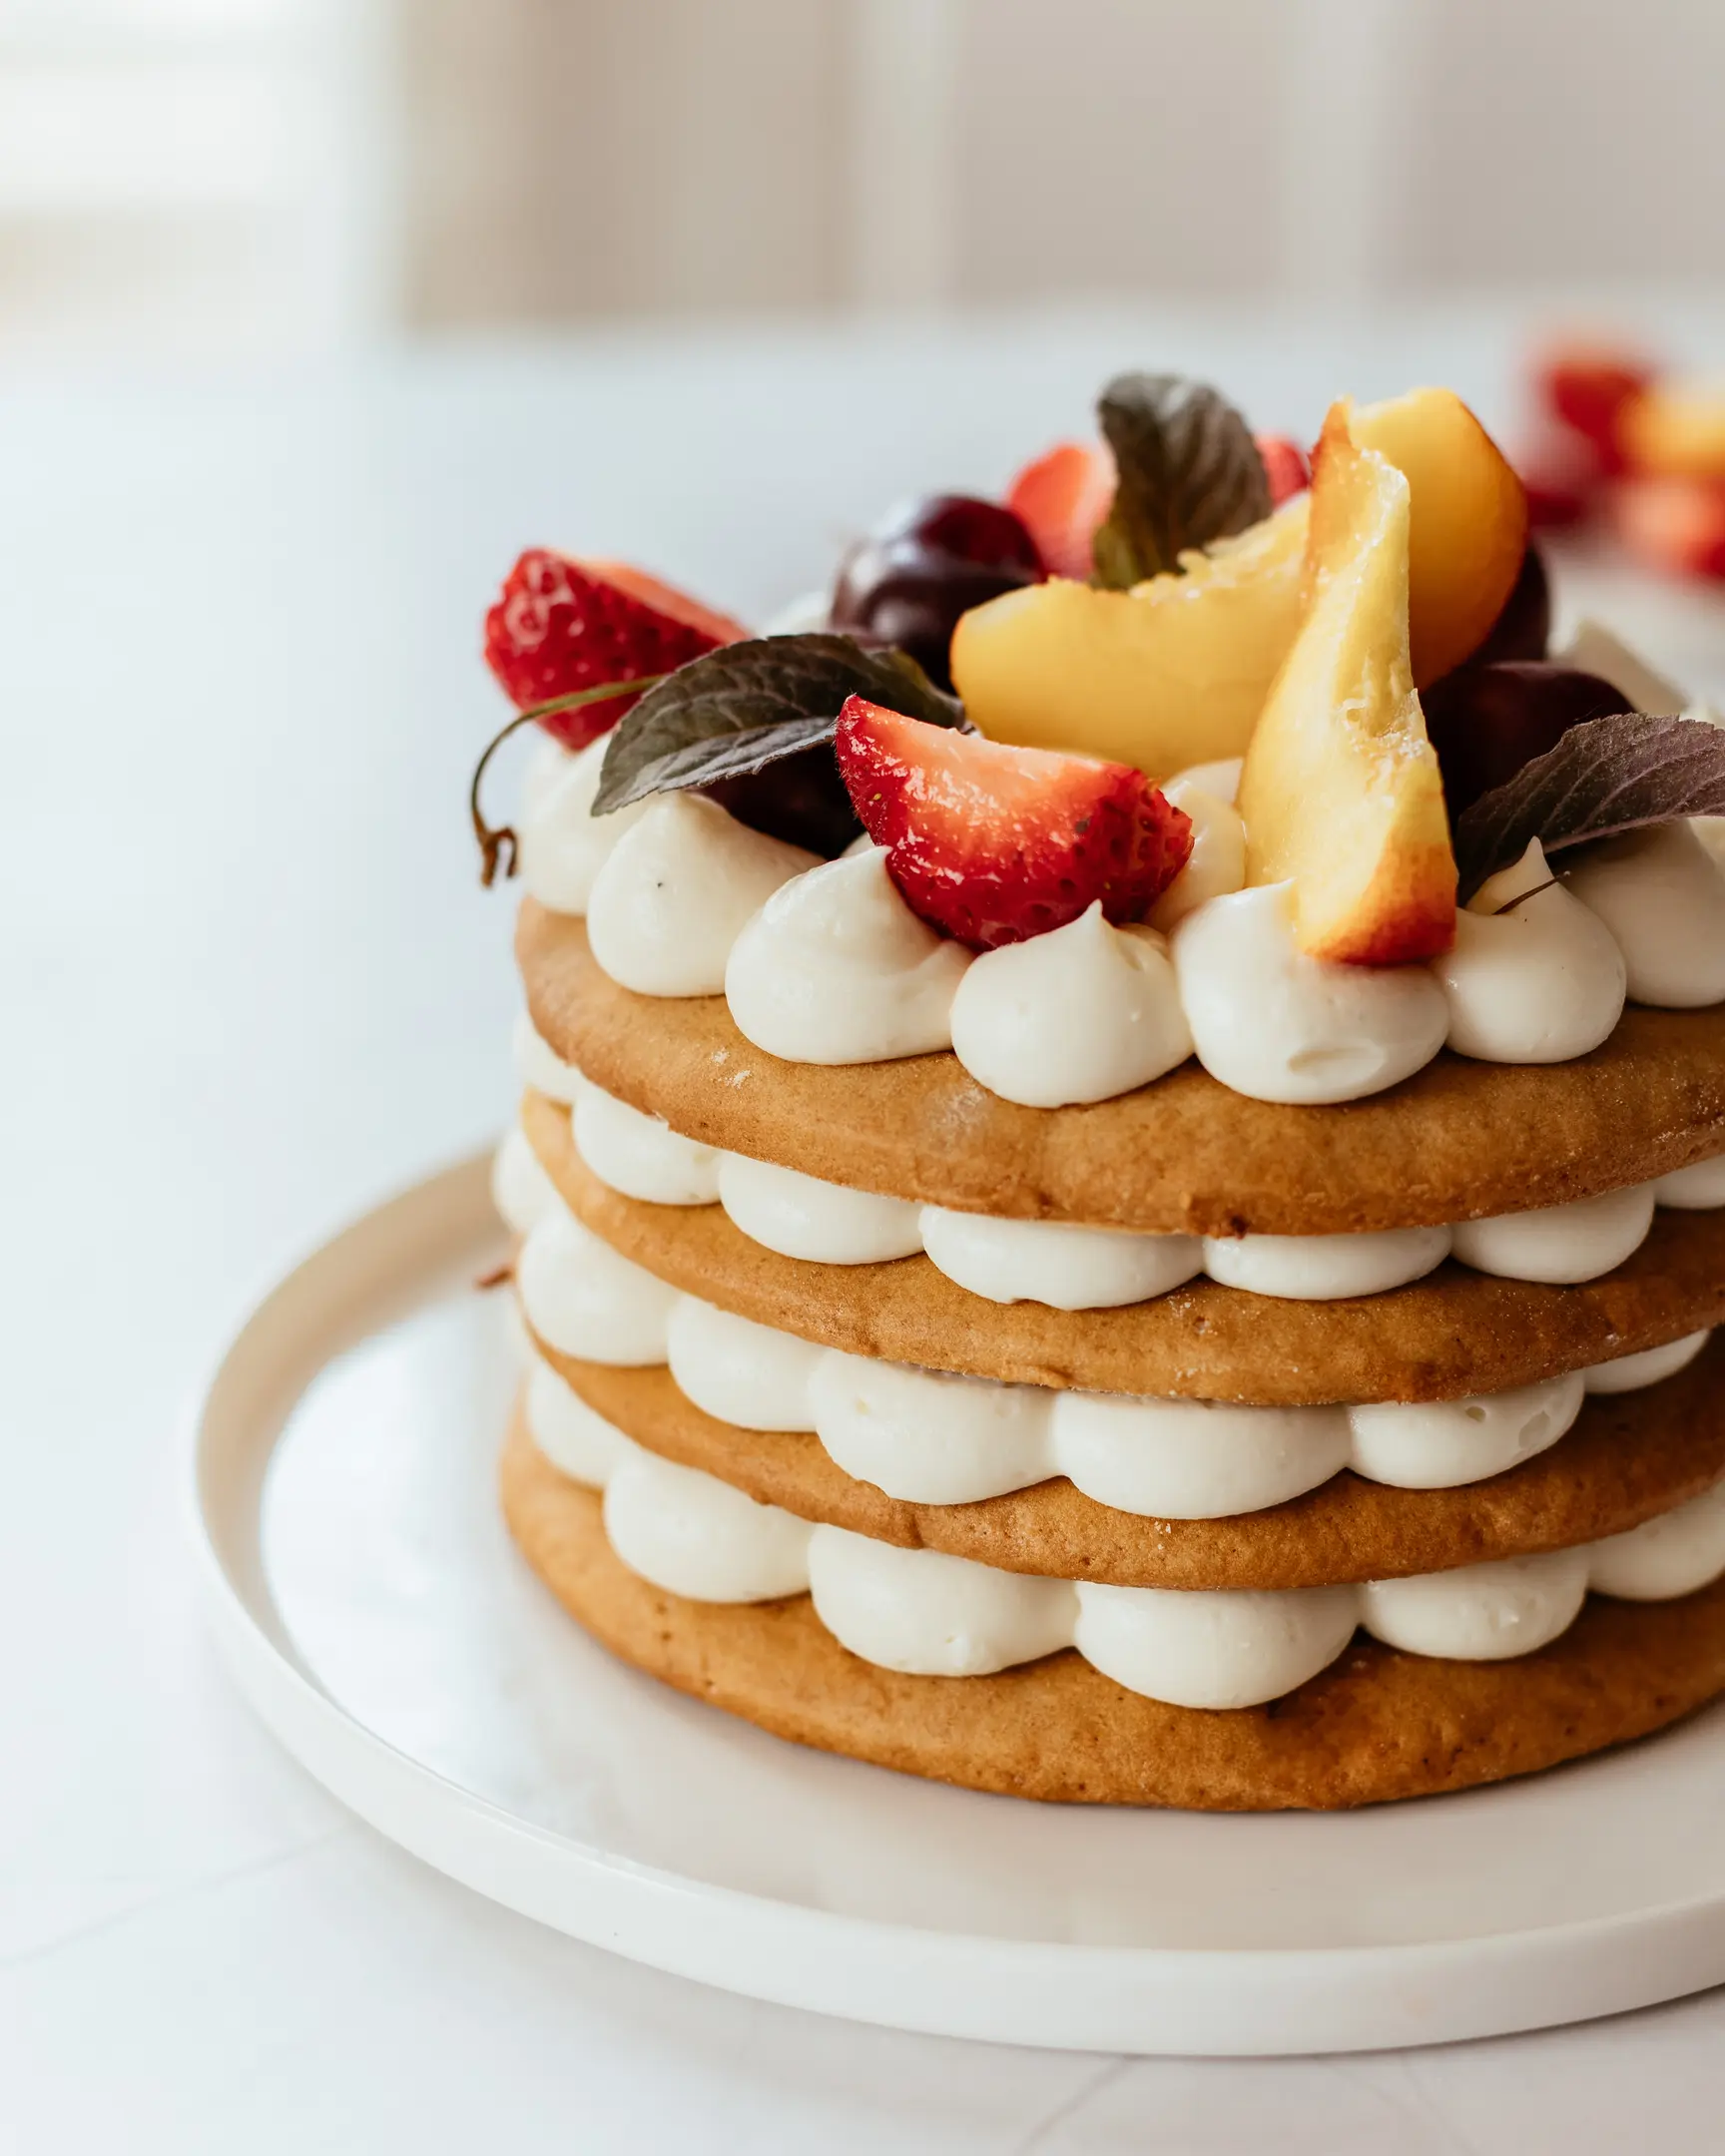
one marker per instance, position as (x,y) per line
(1459,1140)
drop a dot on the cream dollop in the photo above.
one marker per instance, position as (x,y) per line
(1274,1024)
(520,1189)
(563,844)
(641,1155)
(1560,1243)
(1693,1190)
(836,968)
(1217,864)
(1079,1014)
(1325,1267)
(1662,895)
(672,896)
(1068,1268)
(801,1215)
(742,1372)
(1628,1374)
(584,1299)
(537,1063)
(575,1439)
(693,1536)
(1536,981)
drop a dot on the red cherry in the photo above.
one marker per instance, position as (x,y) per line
(929,562)
(1485,721)
(1523,629)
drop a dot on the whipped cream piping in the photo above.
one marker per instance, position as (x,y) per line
(1077,1267)
(673,893)
(933,1438)
(520,1189)
(1535,977)
(826,964)
(926,1613)
(836,968)
(1080,1014)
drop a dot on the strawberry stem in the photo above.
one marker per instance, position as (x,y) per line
(498,843)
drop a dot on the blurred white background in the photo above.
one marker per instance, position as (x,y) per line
(309,176)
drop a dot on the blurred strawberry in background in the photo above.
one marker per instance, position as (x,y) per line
(1619,444)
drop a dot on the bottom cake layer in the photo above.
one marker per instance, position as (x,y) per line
(1376,1725)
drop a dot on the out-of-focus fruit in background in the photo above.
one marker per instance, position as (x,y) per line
(1620,446)
(1673,524)
(911,578)
(1341,790)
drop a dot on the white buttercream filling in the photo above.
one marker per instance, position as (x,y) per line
(520,1189)
(1271,1022)
(1560,1243)
(1534,976)
(926,1613)
(1080,1014)
(836,968)
(563,844)
(1662,895)
(1216,864)
(673,893)
(824,962)
(935,1437)
(1070,1266)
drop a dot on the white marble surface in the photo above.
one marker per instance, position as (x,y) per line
(251,986)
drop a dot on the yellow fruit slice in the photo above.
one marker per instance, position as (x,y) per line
(1175,671)
(1341,792)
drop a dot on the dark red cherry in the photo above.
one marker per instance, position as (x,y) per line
(801,799)
(1485,721)
(1523,628)
(931,560)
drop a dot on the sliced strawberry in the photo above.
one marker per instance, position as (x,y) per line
(1586,386)
(561,625)
(1062,498)
(1673,525)
(993,845)
(1286,466)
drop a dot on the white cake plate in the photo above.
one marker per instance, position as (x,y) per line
(371,1607)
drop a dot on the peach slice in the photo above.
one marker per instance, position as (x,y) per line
(1171,673)
(1175,671)
(1469,521)
(1341,792)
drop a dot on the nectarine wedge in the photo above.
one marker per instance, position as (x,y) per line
(1469,521)
(1168,674)
(1341,792)
(1175,671)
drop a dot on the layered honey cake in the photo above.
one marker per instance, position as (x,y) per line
(1120,1186)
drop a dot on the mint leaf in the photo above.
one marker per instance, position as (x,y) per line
(1188,472)
(1605,775)
(735,710)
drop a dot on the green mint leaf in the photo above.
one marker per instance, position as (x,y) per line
(1188,470)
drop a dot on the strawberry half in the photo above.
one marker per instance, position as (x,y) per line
(561,625)
(1060,499)
(993,845)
